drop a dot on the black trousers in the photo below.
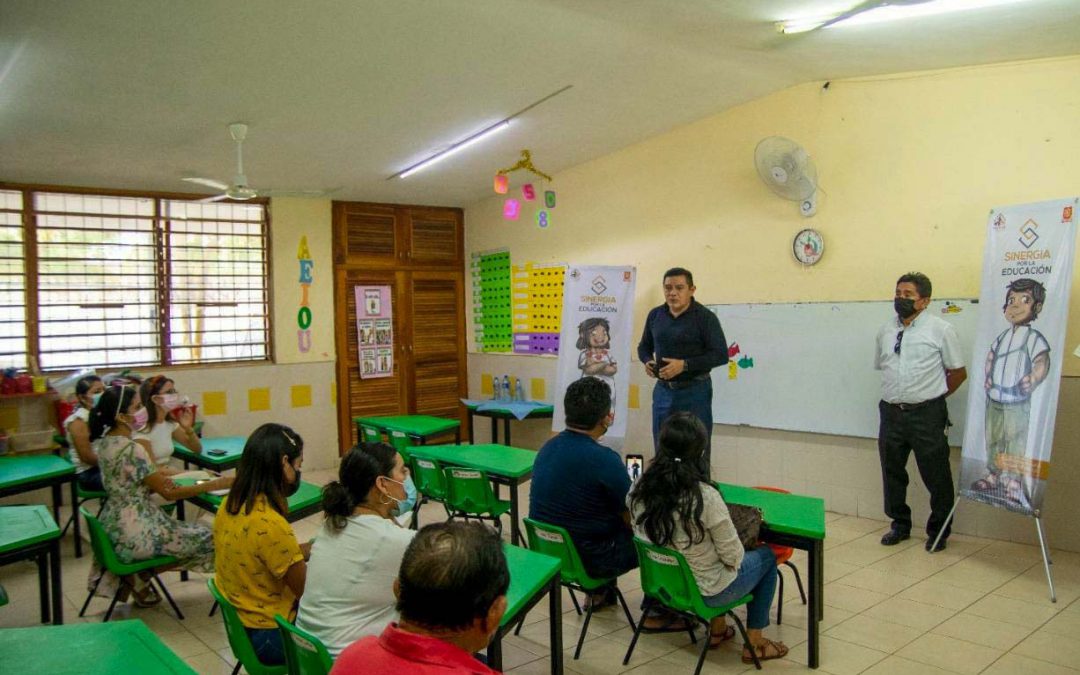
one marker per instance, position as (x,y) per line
(610,557)
(922,430)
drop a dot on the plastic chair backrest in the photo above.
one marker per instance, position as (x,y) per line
(102,546)
(238,637)
(469,490)
(428,478)
(370,434)
(305,654)
(555,541)
(3,597)
(401,442)
(666,576)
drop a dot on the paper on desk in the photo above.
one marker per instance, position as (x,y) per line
(196,474)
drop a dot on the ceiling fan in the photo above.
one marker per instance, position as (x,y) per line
(239,190)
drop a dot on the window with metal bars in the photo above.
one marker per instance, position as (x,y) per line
(121,281)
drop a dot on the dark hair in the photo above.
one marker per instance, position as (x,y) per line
(356,476)
(82,387)
(586,326)
(671,486)
(1035,289)
(451,574)
(150,388)
(587,401)
(103,416)
(922,283)
(680,272)
(260,473)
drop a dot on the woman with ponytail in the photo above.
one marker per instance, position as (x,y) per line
(674,505)
(355,559)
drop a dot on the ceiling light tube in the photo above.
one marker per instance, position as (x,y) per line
(453,149)
(887,12)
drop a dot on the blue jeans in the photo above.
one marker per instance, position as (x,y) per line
(696,398)
(267,644)
(757,575)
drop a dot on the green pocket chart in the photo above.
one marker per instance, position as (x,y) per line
(492,301)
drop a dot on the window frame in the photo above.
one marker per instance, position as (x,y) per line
(162,254)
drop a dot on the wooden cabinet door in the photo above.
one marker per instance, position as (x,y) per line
(435,237)
(368,234)
(437,351)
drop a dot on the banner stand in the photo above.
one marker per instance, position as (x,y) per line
(1043,546)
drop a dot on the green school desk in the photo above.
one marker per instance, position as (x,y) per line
(30,532)
(799,522)
(233,446)
(503,464)
(506,415)
(91,648)
(532,575)
(306,501)
(31,472)
(420,427)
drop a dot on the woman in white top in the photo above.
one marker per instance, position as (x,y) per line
(674,505)
(170,419)
(349,592)
(77,429)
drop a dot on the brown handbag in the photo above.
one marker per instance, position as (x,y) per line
(747,521)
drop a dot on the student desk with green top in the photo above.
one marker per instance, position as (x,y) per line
(420,427)
(30,532)
(532,575)
(90,649)
(306,501)
(799,522)
(506,414)
(504,466)
(231,447)
(23,473)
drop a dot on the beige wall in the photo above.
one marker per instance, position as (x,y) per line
(909,165)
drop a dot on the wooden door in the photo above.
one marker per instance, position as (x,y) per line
(435,237)
(437,348)
(367,234)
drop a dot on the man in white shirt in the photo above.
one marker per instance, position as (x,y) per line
(919,356)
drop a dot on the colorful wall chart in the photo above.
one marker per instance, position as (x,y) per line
(491,300)
(537,305)
(374,331)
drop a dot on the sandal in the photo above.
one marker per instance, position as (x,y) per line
(145,596)
(715,640)
(666,623)
(600,600)
(766,651)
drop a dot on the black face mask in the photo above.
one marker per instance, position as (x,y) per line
(904,307)
(291,488)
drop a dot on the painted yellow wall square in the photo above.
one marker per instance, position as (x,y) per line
(214,403)
(301,395)
(634,402)
(259,399)
(538,389)
(487,388)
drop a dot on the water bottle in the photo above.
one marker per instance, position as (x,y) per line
(519,394)
(506,388)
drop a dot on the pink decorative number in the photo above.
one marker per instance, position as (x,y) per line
(502,184)
(511,209)
(528,192)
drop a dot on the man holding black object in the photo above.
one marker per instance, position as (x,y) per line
(681,343)
(920,362)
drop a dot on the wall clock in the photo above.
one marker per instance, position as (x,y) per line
(808,246)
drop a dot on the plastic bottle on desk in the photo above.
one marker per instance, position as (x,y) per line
(519,393)
(506,396)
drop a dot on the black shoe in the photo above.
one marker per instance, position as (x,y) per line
(894,537)
(940,545)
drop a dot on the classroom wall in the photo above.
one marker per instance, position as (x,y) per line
(909,166)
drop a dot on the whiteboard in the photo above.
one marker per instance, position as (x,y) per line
(813,365)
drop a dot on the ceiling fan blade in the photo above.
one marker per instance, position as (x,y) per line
(208,182)
(215,198)
(857,9)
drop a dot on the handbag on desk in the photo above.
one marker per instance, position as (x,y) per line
(747,521)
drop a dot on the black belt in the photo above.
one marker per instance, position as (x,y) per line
(905,407)
(683,384)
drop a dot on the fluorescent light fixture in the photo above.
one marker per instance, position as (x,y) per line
(887,12)
(453,149)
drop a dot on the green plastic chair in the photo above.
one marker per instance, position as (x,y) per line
(81,497)
(369,434)
(305,654)
(239,640)
(555,541)
(429,479)
(106,557)
(666,579)
(3,597)
(469,495)
(402,443)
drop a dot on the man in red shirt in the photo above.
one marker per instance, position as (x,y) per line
(451,592)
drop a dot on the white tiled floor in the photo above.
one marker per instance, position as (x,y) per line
(981,606)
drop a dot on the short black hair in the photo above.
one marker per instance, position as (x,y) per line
(451,574)
(680,272)
(587,401)
(1033,288)
(360,467)
(922,283)
(82,387)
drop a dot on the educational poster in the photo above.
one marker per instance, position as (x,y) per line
(1018,351)
(596,337)
(538,301)
(491,301)
(374,331)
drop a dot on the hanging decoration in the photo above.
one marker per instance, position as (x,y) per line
(512,207)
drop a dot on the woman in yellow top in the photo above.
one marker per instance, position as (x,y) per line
(259,566)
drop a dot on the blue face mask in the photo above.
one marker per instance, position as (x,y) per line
(403,506)
(94,398)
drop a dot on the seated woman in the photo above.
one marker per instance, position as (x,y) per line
(355,559)
(169,419)
(261,568)
(77,429)
(138,528)
(674,505)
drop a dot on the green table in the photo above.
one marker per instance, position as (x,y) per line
(306,501)
(91,648)
(532,575)
(30,532)
(799,522)
(420,427)
(503,464)
(506,415)
(23,473)
(232,446)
